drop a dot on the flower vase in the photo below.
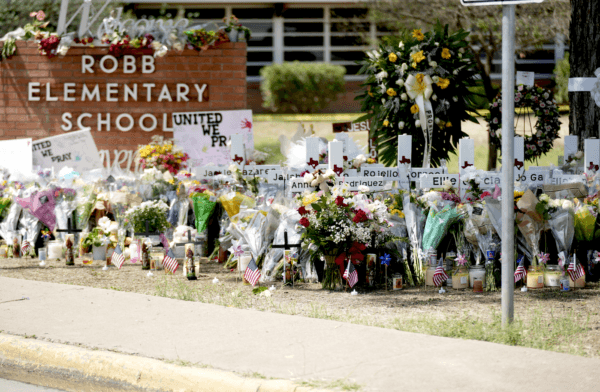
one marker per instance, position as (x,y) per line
(331,274)
(99,252)
(233,35)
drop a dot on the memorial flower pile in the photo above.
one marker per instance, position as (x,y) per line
(161,154)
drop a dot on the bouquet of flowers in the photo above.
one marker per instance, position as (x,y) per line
(340,226)
(162,154)
(152,213)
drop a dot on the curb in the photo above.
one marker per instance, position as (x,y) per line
(78,369)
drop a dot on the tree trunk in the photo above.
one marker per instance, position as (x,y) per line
(584,115)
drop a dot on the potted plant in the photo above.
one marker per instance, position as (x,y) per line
(97,239)
(234,29)
(148,217)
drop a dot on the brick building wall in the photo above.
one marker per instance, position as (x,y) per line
(35,103)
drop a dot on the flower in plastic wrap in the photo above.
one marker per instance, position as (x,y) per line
(585,222)
(204,206)
(232,201)
(437,226)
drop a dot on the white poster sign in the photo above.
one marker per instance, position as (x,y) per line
(16,155)
(74,149)
(204,135)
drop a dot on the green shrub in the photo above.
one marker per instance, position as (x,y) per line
(301,87)
(562,72)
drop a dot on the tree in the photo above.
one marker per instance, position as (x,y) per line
(537,24)
(583,60)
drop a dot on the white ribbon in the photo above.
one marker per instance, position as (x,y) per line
(420,93)
(587,84)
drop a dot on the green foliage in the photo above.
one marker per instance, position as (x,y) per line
(95,238)
(444,57)
(301,87)
(562,72)
(258,290)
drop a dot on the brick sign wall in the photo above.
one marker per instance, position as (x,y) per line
(123,101)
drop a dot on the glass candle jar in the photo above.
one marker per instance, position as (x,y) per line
(460,278)
(156,254)
(476,272)
(429,276)
(134,252)
(145,256)
(552,276)
(3,251)
(397,282)
(243,263)
(535,277)
(55,249)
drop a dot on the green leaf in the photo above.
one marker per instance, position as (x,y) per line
(259,290)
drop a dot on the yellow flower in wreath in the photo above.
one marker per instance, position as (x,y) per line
(392,57)
(391,92)
(417,58)
(414,109)
(448,124)
(418,34)
(446,53)
(443,83)
(386,123)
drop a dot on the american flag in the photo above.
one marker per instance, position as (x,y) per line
(439,276)
(520,272)
(25,246)
(575,272)
(170,263)
(350,274)
(252,274)
(117,257)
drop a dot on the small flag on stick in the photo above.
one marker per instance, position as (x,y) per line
(520,272)
(252,274)
(117,257)
(350,274)
(439,276)
(575,270)
(170,263)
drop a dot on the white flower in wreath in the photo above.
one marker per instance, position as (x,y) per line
(400,82)
(495,120)
(380,76)
(404,97)
(404,67)
(455,99)
(401,125)
(418,124)
(363,188)
(542,105)
(435,79)
(545,95)
(437,120)
(433,64)
(309,177)
(401,45)
(540,143)
(434,97)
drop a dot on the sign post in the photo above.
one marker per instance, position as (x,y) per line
(508,164)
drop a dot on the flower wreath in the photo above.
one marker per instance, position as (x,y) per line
(543,105)
(418,84)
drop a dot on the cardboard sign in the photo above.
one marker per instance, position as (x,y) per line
(74,149)
(297,185)
(565,179)
(374,183)
(525,78)
(535,177)
(351,127)
(388,173)
(417,172)
(17,155)
(261,171)
(437,180)
(278,176)
(204,135)
(211,171)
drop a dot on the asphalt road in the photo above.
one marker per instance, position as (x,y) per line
(15,386)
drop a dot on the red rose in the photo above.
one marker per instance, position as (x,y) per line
(302,211)
(359,217)
(339,201)
(485,194)
(304,222)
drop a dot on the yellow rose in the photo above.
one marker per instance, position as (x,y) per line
(417,57)
(401,214)
(391,92)
(386,123)
(414,109)
(443,83)
(418,34)
(446,53)
(448,124)
(370,94)
(392,57)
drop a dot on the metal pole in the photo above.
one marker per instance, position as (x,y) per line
(508,135)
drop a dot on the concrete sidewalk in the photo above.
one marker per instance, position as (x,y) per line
(275,345)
